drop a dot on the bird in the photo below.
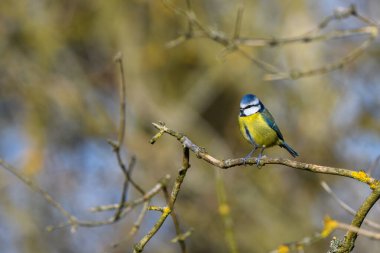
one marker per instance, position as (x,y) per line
(258,127)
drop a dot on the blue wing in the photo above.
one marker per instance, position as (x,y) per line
(249,136)
(270,121)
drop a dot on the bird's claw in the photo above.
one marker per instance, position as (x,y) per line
(258,161)
(245,160)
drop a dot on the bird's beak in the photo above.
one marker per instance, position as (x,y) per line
(242,113)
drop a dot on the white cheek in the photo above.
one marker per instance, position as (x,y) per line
(251,110)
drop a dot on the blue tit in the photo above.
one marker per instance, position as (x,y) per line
(258,126)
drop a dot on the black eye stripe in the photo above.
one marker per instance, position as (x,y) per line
(249,106)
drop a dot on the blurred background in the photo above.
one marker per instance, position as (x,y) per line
(59,104)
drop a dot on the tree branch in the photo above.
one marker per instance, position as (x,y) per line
(346,207)
(360,176)
(350,237)
(72,220)
(177,227)
(199,30)
(118,145)
(139,247)
(201,153)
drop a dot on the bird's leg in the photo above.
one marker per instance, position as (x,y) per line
(260,156)
(249,154)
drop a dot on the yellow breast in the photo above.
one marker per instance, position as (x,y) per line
(259,130)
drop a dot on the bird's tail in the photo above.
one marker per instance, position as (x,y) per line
(284,145)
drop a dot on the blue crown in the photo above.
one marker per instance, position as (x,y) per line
(249,99)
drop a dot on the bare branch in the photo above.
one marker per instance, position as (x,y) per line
(346,207)
(139,247)
(182,236)
(360,231)
(239,18)
(128,207)
(350,57)
(199,30)
(201,153)
(147,196)
(177,227)
(350,237)
(137,224)
(361,176)
(119,59)
(117,146)
(72,220)
(331,225)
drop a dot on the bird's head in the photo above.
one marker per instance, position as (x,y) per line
(249,105)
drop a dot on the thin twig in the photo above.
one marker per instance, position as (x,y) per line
(338,14)
(124,189)
(346,207)
(119,60)
(137,224)
(233,44)
(139,247)
(128,208)
(217,36)
(174,216)
(239,18)
(72,220)
(147,196)
(307,38)
(360,231)
(183,236)
(118,146)
(350,57)
(190,10)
